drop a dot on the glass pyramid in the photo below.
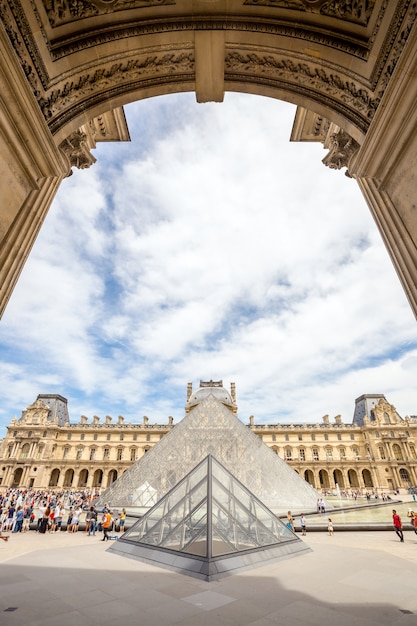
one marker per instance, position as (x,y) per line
(211,428)
(208,526)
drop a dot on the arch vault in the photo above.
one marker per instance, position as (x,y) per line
(67,68)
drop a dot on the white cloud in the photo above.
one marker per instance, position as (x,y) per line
(210,247)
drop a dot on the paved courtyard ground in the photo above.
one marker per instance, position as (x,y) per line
(350,579)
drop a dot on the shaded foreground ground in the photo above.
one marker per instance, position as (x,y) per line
(350,579)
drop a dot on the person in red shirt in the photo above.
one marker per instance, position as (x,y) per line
(398,527)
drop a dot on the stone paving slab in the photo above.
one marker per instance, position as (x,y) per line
(350,579)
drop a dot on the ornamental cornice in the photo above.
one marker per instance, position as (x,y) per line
(358,12)
(316,81)
(314,34)
(61,104)
(64,11)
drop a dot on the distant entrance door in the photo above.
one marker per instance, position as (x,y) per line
(353,478)
(112,477)
(17,477)
(309,477)
(68,478)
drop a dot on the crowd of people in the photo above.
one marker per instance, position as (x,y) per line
(52,511)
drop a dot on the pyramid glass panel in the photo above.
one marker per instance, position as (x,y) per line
(211,428)
(209,516)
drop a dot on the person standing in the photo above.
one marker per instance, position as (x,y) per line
(398,527)
(122,520)
(330,526)
(290,521)
(106,522)
(93,521)
(303,523)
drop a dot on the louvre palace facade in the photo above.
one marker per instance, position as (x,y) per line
(375,452)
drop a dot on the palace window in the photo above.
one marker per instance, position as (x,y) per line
(82,436)
(95,436)
(288,454)
(326,437)
(329,454)
(300,437)
(9,451)
(119,454)
(413,451)
(135,437)
(66,452)
(287,437)
(377,434)
(302,454)
(274,437)
(133,454)
(386,418)
(106,453)
(339,437)
(108,437)
(25,451)
(30,434)
(69,436)
(122,436)
(356,453)
(315,454)
(342,453)
(397,452)
(79,453)
(313,437)
(44,435)
(148,437)
(381,453)
(352,437)
(92,454)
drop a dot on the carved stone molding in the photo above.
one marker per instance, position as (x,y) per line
(122,74)
(77,151)
(358,12)
(64,11)
(317,81)
(341,149)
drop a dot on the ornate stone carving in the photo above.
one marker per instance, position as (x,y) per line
(76,149)
(318,81)
(63,11)
(357,11)
(117,75)
(342,148)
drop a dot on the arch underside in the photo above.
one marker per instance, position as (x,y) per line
(67,68)
(334,57)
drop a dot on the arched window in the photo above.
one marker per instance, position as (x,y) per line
(386,418)
(25,451)
(413,451)
(404,475)
(381,453)
(397,452)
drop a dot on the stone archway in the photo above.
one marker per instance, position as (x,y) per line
(67,71)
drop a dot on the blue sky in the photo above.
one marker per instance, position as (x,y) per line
(208,247)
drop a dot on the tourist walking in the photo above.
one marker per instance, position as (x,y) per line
(106,522)
(330,527)
(398,527)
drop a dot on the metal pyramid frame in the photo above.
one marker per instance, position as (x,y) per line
(209,526)
(211,428)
